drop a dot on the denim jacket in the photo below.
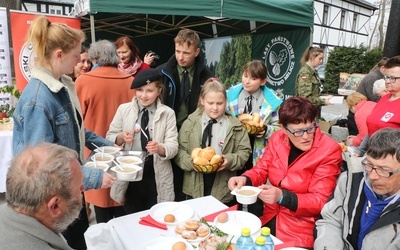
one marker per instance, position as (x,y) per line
(48,111)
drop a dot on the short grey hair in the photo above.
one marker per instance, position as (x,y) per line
(104,53)
(38,173)
(385,142)
(379,87)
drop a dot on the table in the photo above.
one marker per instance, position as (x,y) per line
(126,233)
(5,157)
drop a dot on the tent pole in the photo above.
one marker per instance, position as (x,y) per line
(92,28)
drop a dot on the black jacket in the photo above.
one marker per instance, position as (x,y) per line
(171,81)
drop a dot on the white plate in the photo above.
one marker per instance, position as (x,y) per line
(198,239)
(181,211)
(238,220)
(164,243)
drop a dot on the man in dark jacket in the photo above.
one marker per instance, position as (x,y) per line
(183,76)
(367,83)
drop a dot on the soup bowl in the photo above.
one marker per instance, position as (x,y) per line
(108,149)
(103,157)
(129,159)
(101,165)
(246,194)
(129,172)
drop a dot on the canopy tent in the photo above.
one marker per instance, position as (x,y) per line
(154,23)
(210,18)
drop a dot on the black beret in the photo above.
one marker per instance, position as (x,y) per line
(145,77)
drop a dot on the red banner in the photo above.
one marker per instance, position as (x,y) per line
(23,56)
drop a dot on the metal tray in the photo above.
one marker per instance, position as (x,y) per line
(129,152)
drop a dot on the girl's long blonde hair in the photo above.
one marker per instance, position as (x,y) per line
(46,37)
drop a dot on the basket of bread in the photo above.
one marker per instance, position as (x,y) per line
(252,123)
(206,160)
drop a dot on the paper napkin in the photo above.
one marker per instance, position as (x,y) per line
(212,216)
(149,221)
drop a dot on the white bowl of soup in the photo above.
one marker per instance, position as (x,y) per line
(246,194)
(129,159)
(127,172)
(100,165)
(108,150)
(103,158)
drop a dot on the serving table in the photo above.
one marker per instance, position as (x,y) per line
(5,156)
(126,233)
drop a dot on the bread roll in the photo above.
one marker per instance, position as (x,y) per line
(195,152)
(216,159)
(253,123)
(256,117)
(207,153)
(244,118)
(192,224)
(200,161)
(179,229)
(189,234)
(203,231)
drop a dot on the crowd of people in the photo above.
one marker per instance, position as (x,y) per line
(80,98)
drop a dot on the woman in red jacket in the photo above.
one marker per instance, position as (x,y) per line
(297,173)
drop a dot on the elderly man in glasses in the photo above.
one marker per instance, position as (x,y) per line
(365,210)
(297,173)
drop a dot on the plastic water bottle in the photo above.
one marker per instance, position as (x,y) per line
(266,233)
(260,244)
(245,242)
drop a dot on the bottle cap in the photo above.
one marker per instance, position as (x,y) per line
(265,231)
(246,231)
(260,240)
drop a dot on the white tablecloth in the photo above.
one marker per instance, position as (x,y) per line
(5,157)
(126,233)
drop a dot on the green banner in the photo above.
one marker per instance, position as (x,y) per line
(281,52)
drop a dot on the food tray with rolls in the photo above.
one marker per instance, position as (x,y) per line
(206,160)
(252,123)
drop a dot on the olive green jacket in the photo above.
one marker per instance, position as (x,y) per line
(236,148)
(309,85)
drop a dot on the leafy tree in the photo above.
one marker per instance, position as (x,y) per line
(350,60)
(234,56)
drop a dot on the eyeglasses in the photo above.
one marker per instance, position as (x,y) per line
(300,132)
(391,79)
(383,173)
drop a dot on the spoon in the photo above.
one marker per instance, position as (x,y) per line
(119,166)
(101,149)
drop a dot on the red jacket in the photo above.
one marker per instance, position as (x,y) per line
(363,110)
(312,177)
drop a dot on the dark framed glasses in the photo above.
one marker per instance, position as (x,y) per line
(391,79)
(300,132)
(383,173)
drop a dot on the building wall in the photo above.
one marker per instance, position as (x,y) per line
(340,23)
(54,8)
